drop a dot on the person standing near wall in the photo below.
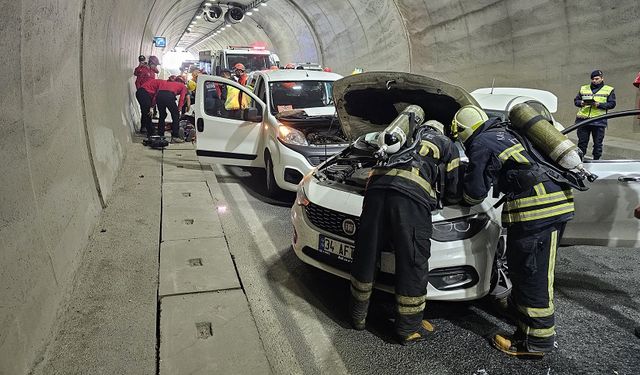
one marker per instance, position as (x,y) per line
(594,100)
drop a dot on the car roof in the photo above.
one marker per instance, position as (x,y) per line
(547,98)
(298,75)
(500,102)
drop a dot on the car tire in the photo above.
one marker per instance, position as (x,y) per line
(271,184)
(500,286)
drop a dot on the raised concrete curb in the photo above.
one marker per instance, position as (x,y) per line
(206,326)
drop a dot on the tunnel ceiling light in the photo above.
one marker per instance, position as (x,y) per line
(207,4)
(264,4)
(198,17)
(248,13)
(255,9)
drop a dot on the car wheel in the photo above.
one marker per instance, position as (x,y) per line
(272,186)
(501,286)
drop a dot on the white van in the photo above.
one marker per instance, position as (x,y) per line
(288,127)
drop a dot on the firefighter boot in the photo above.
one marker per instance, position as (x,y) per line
(420,335)
(358,312)
(518,346)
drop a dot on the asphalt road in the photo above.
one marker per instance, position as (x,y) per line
(301,312)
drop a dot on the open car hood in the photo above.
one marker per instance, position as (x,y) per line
(369,102)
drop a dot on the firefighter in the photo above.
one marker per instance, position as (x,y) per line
(397,210)
(535,213)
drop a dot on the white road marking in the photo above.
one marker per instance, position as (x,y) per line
(305,318)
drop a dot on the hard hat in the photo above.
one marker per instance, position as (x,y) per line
(290,66)
(357,71)
(467,120)
(153,60)
(141,58)
(326,69)
(436,125)
(239,66)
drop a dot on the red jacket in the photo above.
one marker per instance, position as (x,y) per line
(177,88)
(143,74)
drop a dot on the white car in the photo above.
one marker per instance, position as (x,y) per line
(467,247)
(288,128)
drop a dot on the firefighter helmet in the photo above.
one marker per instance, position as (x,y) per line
(467,120)
(153,60)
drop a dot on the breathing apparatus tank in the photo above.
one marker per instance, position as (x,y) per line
(391,139)
(547,139)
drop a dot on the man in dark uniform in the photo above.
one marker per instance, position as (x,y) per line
(535,213)
(397,211)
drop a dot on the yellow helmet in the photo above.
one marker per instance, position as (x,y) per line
(467,120)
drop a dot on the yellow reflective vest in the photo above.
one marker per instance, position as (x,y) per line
(599,97)
(233,99)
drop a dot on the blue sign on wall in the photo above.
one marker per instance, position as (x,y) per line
(160,41)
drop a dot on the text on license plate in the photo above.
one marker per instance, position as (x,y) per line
(330,246)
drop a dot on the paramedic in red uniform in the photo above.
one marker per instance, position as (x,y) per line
(166,99)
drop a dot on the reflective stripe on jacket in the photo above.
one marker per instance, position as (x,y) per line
(494,151)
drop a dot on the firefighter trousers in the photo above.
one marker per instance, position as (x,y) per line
(391,220)
(531,256)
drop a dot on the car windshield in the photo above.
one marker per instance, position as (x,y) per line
(286,96)
(251,62)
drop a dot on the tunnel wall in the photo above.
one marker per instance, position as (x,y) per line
(66,116)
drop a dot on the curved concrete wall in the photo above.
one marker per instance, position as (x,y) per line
(68,107)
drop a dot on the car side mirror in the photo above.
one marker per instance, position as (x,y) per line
(218,70)
(251,115)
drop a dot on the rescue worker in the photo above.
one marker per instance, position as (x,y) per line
(397,208)
(535,213)
(235,101)
(146,96)
(145,72)
(192,84)
(240,74)
(594,100)
(166,99)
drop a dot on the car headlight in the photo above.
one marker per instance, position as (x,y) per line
(301,197)
(292,136)
(459,228)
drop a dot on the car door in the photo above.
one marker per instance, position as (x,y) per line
(226,136)
(604,213)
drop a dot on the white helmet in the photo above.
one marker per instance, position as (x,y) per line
(436,125)
(467,120)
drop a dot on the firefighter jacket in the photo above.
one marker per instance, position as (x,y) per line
(429,175)
(495,157)
(604,98)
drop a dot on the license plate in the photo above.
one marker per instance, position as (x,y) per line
(334,247)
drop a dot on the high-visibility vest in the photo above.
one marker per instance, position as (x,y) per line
(599,97)
(232,102)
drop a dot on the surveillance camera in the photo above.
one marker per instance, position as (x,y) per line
(215,11)
(234,15)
